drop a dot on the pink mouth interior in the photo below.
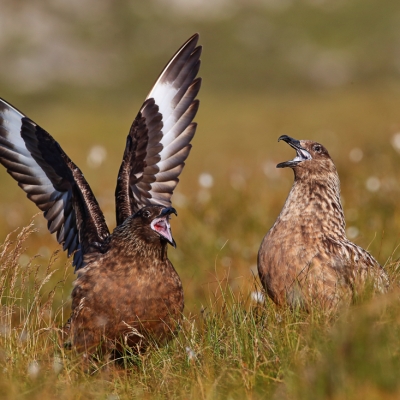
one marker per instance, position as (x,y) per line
(162,227)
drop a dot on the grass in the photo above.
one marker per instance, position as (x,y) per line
(234,348)
(229,345)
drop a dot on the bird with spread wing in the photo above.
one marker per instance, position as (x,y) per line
(127,290)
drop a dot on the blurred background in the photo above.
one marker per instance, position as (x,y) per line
(327,70)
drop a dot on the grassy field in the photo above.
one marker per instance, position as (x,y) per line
(232,343)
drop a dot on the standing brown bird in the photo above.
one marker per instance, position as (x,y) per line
(127,290)
(305,258)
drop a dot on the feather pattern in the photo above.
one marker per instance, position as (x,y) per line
(51,180)
(159,140)
(156,148)
(306,258)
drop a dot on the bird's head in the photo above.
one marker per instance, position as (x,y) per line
(311,157)
(153,223)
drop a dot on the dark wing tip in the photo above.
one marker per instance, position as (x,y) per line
(193,39)
(195,86)
(197,52)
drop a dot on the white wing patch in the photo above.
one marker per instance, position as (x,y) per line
(163,94)
(174,93)
(12,124)
(22,166)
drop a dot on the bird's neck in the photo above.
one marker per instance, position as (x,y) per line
(135,245)
(315,202)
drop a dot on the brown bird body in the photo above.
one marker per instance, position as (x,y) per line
(305,258)
(149,302)
(127,291)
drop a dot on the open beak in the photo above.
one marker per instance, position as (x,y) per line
(301,153)
(161,225)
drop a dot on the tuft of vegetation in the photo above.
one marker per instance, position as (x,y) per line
(238,346)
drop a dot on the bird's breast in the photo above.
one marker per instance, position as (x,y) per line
(128,289)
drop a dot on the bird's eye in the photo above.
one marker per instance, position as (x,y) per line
(317,148)
(146,214)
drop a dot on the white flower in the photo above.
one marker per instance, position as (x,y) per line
(206,180)
(373,184)
(352,232)
(190,353)
(356,155)
(96,156)
(57,365)
(33,369)
(257,297)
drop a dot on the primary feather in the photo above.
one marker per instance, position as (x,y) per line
(167,116)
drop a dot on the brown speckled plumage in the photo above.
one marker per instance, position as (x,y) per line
(305,258)
(127,291)
(128,294)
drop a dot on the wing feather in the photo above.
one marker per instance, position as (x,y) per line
(164,128)
(52,181)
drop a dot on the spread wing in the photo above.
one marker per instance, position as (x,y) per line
(53,182)
(159,140)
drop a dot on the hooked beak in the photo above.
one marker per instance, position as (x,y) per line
(301,153)
(161,225)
